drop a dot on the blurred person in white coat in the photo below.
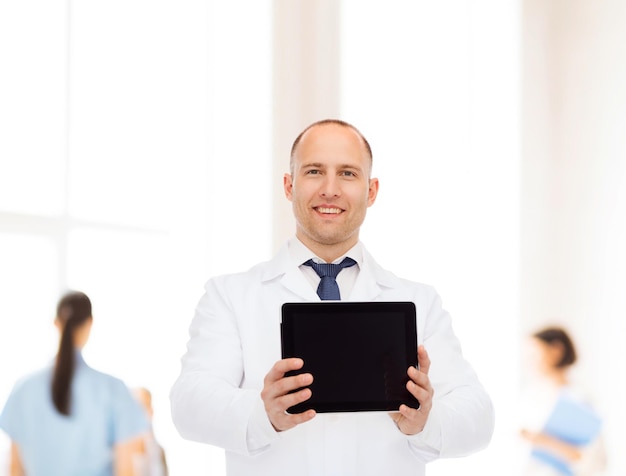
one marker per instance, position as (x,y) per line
(150,460)
(552,355)
(232,391)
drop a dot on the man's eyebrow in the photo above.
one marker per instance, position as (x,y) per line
(312,164)
(340,166)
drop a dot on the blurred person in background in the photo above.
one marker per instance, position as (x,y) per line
(150,461)
(561,428)
(69,419)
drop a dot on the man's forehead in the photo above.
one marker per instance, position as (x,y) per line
(329,136)
(330,130)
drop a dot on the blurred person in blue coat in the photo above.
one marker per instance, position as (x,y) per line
(69,419)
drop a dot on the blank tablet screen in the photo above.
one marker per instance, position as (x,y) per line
(357,352)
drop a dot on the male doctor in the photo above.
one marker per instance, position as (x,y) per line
(232,391)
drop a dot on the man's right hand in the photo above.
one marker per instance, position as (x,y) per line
(276,396)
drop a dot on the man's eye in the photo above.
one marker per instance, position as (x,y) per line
(348,173)
(313,172)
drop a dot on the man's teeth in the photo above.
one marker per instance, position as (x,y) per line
(328,210)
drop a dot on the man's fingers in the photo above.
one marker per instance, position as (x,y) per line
(280,393)
(419,384)
(412,420)
(281,387)
(285,422)
(409,412)
(423,359)
(287,401)
(281,367)
(281,420)
(421,393)
(289,384)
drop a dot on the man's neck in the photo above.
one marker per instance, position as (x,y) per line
(328,253)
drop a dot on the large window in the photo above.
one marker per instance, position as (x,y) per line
(135,150)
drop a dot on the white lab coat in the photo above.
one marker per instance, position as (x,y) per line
(235,340)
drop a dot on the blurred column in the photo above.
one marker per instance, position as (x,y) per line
(306,86)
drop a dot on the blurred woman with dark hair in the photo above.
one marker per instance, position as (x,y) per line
(69,419)
(560,424)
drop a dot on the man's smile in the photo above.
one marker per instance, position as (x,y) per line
(331,210)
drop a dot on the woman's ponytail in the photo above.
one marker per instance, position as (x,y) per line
(73,309)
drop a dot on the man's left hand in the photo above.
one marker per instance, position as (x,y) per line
(411,421)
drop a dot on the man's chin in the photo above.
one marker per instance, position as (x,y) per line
(334,239)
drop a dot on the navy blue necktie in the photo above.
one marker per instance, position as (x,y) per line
(328,289)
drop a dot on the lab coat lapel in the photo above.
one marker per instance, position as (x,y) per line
(365,288)
(294,281)
(371,281)
(289,276)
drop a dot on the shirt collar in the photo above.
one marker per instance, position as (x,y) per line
(299,253)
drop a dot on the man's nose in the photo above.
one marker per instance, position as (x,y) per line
(331,186)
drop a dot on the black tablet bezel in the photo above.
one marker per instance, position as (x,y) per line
(315,317)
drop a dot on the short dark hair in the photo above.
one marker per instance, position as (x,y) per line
(559,336)
(323,122)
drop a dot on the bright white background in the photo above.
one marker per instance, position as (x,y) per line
(142,145)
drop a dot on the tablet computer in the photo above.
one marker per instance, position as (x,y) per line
(357,352)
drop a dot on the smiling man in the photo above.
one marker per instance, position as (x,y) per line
(330,187)
(233,391)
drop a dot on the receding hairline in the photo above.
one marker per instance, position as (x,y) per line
(325,122)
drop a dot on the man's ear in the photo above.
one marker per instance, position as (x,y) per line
(372,192)
(288,186)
